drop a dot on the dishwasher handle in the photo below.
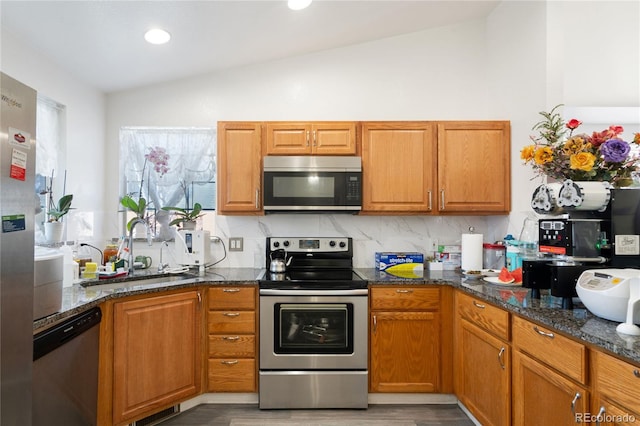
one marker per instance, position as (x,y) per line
(56,336)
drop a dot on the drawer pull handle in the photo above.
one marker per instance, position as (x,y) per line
(636,373)
(231,338)
(543,333)
(404,291)
(601,415)
(234,362)
(500,360)
(231,314)
(478,305)
(573,404)
(375,324)
(231,290)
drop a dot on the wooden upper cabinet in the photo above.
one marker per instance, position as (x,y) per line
(474,172)
(320,138)
(398,167)
(239,168)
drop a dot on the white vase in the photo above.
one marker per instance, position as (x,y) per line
(53,232)
(189,225)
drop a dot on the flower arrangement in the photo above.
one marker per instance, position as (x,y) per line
(159,157)
(601,156)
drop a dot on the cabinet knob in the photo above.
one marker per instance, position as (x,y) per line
(573,403)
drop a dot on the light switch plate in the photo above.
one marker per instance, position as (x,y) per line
(236,244)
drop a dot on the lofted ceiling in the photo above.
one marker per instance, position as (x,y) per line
(101,42)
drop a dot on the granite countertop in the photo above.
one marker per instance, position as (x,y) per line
(578,323)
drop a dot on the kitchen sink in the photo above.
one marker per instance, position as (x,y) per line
(137,281)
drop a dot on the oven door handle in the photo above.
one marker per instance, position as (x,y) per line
(280,292)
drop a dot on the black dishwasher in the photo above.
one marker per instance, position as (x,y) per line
(65,371)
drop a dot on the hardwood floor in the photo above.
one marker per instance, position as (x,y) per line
(376,415)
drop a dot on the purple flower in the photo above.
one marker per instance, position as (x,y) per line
(615,150)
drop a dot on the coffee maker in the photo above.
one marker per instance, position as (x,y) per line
(576,233)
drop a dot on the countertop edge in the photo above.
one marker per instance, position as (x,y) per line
(578,324)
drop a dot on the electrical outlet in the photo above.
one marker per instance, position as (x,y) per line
(236,244)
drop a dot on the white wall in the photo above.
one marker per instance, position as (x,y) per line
(85,113)
(522,60)
(429,75)
(526,57)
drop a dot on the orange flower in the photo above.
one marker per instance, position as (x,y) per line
(636,138)
(582,161)
(543,155)
(527,152)
(575,145)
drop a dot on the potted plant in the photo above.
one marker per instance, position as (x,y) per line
(54,227)
(185,217)
(139,208)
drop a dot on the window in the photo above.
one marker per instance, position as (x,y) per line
(50,158)
(183,176)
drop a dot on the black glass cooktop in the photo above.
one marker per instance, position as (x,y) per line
(330,279)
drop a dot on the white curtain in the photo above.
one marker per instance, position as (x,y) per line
(191,159)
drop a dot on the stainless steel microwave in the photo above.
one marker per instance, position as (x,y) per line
(312,184)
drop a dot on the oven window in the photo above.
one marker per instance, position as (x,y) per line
(311,186)
(313,328)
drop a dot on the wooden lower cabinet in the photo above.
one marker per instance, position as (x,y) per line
(483,373)
(406,352)
(231,326)
(617,389)
(541,396)
(156,353)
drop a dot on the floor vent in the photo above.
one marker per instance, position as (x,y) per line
(158,417)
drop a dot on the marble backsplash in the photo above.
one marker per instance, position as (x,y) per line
(370,233)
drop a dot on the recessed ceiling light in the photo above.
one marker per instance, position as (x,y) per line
(157,36)
(298,4)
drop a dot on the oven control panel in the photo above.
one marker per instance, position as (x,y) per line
(304,244)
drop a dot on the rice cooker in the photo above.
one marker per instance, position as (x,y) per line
(605,292)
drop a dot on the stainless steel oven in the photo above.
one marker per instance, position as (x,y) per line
(313,328)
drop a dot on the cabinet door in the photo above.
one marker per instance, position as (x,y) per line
(606,413)
(239,168)
(474,172)
(156,353)
(336,138)
(398,167)
(405,352)
(483,364)
(288,139)
(543,397)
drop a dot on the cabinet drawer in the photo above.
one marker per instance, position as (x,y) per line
(221,322)
(484,315)
(405,298)
(618,380)
(238,345)
(559,352)
(232,297)
(232,375)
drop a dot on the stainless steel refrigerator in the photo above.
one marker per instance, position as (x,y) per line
(17,209)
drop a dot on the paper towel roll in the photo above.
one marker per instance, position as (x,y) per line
(471,258)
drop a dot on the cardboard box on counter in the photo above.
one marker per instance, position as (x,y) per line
(450,256)
(401,264)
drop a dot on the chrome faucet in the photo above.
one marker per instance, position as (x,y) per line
(161,265)
(130,246)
